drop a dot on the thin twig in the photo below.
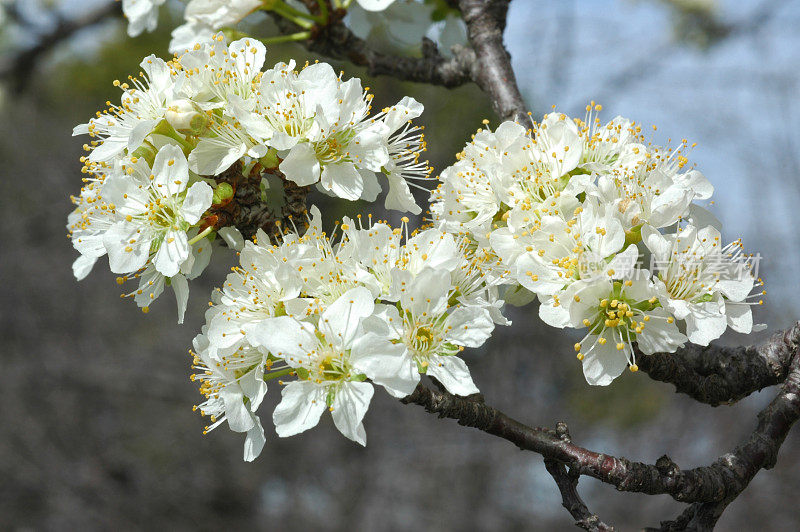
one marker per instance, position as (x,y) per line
(567,483)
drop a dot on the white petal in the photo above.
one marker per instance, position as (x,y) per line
(656,243)
(349,407)
(469,326)
(171,171)
(705,323)
(284,337)
(198,200)
(302,404)
(214,156)
(554,316)
(604,363)
(232,237)
(151,285)
(173,251)
(125,256)
(181,289)
(340,321)
(343,180)
(400,113)
(375,5)
(660,336)
(740,317)
(82,266)
(371,185)
(254,442)
(387,364)
(453,373)
(239,417)
(301,165)
(399,196)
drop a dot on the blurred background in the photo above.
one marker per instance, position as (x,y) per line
(98,431)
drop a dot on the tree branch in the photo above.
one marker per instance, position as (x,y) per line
(713,486)
(567,483)
(723,375)
(337,41)
(488,63)
(486,21)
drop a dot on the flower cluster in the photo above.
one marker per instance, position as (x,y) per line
(150,186)
(570,207)
(562,213)
(324,314)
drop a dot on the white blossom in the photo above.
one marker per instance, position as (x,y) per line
(331,363)
(142,15)
(702,282)
(619,313)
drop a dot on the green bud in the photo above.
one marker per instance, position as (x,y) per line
(165,129)
(222,193)
(270,160)
(633,236)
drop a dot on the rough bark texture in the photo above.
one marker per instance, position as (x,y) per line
(724,375)
(567,482)
(486,21)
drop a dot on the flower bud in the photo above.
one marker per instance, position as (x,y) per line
(222,193)
(270,160)
(186,117)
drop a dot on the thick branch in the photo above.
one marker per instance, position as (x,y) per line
(488,63)
(723,375)
(486,21)
(720,482)
(759,451)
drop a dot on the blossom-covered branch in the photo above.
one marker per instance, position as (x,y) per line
(211,145)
